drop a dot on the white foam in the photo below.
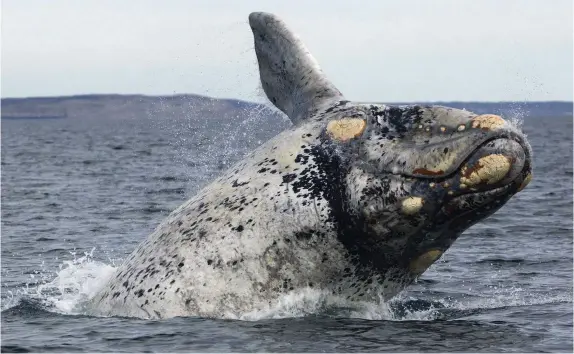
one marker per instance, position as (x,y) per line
(304,302)
(76,281)
(312,301)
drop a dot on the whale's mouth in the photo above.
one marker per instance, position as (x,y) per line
(487,178)
(494,171)
(496,163)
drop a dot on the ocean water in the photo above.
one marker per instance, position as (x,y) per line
(78,195)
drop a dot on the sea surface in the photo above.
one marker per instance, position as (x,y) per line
(78,195)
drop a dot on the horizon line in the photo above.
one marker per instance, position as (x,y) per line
(245,100)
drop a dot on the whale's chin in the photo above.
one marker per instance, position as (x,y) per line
(477,203)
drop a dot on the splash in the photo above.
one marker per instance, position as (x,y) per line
(76,281)
(516,113)
(79,279)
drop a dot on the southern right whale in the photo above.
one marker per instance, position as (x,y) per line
(357,199)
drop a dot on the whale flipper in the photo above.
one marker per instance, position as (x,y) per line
(290,76)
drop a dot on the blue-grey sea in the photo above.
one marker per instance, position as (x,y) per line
(78,195)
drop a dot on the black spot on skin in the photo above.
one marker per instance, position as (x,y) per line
(209,261)
(180,265)
(239,228)
(236,184)
(289,177)
(302,159)
(139,293)
(303,235)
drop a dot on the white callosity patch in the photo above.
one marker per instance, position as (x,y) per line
(346,129)
(491,169)
(411,205)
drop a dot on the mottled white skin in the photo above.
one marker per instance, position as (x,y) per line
(244,265)
(305,210)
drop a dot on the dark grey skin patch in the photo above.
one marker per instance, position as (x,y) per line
(359,217)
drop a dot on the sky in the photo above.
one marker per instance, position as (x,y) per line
(372,50)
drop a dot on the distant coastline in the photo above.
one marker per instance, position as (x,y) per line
(34,115)
(112,106)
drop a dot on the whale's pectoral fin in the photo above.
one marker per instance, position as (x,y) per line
(290,76)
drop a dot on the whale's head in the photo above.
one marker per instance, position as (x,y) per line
(405,181)
(415,177)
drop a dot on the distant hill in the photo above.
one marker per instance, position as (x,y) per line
(194,106)
(119,106)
